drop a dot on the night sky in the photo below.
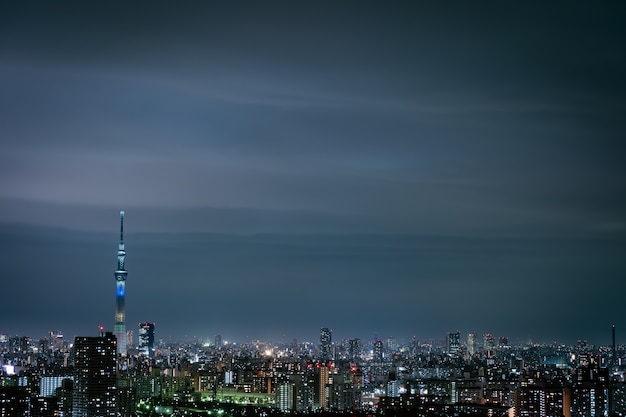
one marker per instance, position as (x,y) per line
(378,168)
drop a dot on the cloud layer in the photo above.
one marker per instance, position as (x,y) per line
(435,128)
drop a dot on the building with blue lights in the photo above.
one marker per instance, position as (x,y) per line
(119,330)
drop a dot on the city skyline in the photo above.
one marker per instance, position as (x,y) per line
(380,170)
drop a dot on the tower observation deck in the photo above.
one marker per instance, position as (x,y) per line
(120,293)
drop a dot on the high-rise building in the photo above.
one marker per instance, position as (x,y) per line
(120,293)
(285,396)
(95,376)
(489,342)
(146,339)
(322,391)
(471,343)
(454,343)
(590,388)
(379,351)
(355,349)
(325,343)
(65,395)
(391,344)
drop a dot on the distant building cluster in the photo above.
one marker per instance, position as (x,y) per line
(87,377)
(112,375)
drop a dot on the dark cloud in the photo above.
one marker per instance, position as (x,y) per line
(481,122)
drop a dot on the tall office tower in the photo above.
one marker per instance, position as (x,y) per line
(391,344)
(325,342)
(454,344)
(379,351)
(146,339)
(613,354)
(489,342)
(471,343)
(355,349)
(95,378)
(120,293)
(24,342)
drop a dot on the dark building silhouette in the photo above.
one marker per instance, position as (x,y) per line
(590,389)
(95,377)
(14,401)
(542,401)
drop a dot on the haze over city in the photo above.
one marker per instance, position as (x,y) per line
(378,169)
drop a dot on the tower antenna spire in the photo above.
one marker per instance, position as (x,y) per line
(122,226)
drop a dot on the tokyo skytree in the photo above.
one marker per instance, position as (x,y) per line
(120,293)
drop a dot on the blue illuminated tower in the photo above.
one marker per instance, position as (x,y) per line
(120,293)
